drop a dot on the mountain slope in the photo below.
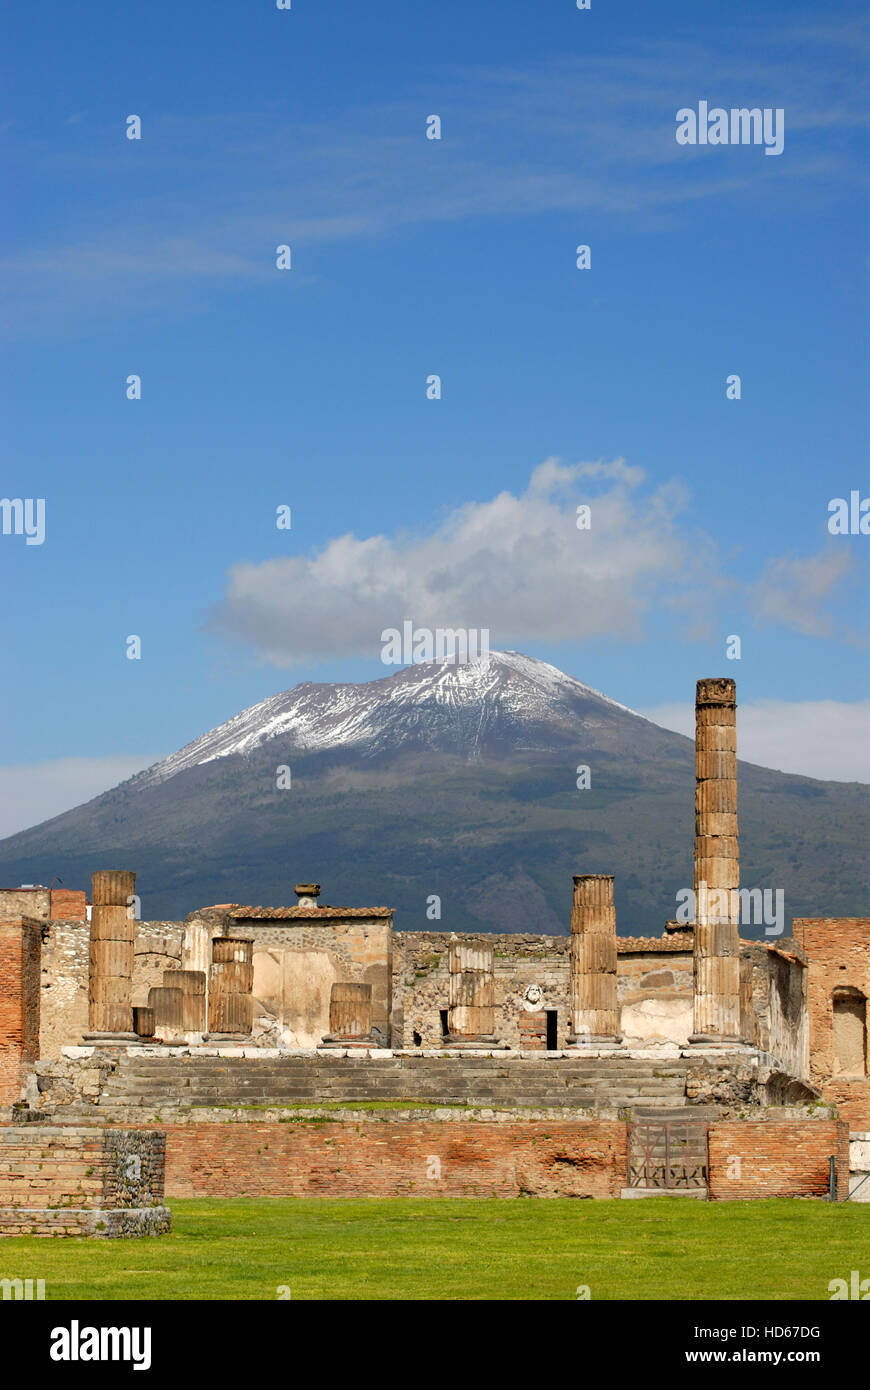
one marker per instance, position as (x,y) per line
(452,781)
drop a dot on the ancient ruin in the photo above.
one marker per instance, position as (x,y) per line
(584,1064)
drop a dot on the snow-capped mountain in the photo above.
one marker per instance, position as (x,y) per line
(466,708)
(453,781)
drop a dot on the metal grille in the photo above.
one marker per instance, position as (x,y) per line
(667,1154)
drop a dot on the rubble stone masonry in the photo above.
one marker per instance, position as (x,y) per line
(81,1180)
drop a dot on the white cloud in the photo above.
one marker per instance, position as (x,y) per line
(516,565)
(829,739)
(34,792)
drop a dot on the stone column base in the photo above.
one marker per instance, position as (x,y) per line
(221,1038)
(576,1042)
(333,1040)
(716,1040)
(109,1039)
(481,1044)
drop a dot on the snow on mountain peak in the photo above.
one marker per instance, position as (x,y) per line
(421,704)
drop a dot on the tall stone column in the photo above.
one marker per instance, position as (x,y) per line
(717,865)
(196,955)
(112,949)
(471,995)
(594,1003)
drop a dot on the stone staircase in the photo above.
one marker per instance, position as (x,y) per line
(605,1085)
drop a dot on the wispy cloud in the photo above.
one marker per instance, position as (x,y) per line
(202,202)
(829,739)
(794,591)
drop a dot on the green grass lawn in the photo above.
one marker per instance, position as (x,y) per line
(666,1247)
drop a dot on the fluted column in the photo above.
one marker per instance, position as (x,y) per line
(111,956)
(471,995)
(350,1016)
(717,865)
(196,955)
(230,997)
(594,1003)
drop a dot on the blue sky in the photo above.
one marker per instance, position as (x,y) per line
(411,256)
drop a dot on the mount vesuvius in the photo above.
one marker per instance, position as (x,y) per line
(455,781)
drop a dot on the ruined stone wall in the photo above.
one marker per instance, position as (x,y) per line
(838,956)
(654,985)
(24,902)
(81,1180)
(777,1158)
(64,1005)
(19,1004)
(295,967)
(533,975)
(389,1155)
(773,1003)
(80,1166)
(538,964)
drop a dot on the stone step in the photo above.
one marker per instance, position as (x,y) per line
(699,1193)
(611,1083)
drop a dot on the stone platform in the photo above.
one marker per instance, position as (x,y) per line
(77,1179)
(70,1221)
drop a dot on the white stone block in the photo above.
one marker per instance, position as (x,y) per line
(859,1155)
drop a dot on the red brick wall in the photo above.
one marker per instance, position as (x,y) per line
(838,952)
(777,1158)
(395,1158)
(68,905)
(20,948)
(428,1158)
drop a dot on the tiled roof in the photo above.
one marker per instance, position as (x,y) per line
(665,945)
(311,914)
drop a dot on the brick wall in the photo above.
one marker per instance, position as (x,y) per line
(68,905)
(461,1158)
(80,1166)
(385,1158)
(838,954)
(777,1158)
(533,1030)
(20,944)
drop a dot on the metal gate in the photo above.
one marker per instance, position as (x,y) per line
(667,1154)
